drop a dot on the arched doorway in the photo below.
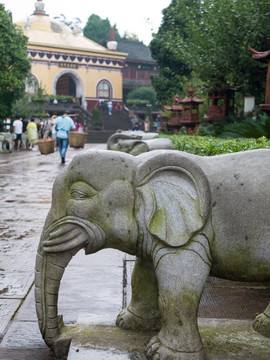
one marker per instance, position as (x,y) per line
(66,86)
(68,82)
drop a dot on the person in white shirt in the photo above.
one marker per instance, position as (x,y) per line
(17,132)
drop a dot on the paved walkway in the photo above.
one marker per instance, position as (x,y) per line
(26,180)
(92,285)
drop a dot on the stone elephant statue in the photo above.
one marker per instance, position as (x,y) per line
(183,216)
(119,136)
(137,147)
(5,142)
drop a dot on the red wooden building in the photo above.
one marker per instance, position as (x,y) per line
(184,112)
(138,67)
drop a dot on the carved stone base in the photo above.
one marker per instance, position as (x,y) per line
(222,339)
(262,325)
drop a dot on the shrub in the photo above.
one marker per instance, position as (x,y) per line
(210,146)
(239,126)
(96,119)
(147,94)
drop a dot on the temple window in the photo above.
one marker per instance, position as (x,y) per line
(103,89)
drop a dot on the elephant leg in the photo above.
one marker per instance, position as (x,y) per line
(262,322)
(143,311)
(181,275)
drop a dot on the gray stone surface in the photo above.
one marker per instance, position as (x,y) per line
(137,142)
(26,180)
(80,293)
(168,209)
(7,308)
(222,339)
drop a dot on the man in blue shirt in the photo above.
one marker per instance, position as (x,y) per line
(63,125)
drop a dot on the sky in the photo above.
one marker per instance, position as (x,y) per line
(141,17)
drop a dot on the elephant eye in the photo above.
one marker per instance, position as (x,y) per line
(81,191)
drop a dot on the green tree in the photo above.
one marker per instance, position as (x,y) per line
(98,30)
(208,40)
(166,50)
(219,43)
(14,65)
(130,36)
(143,93)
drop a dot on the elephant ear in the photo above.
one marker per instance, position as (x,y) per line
(175,193)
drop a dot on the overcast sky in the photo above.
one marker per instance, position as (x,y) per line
(142,17)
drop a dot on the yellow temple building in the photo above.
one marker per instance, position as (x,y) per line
(64,62)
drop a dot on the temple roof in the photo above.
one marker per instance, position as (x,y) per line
(191,99)
(136,50)
(42,30)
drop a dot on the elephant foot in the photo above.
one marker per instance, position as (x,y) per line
(262,325)
(128,321)
(157,351)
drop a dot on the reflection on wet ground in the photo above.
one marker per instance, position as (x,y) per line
(26,180)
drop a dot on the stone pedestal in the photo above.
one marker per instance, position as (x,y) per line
(223,339)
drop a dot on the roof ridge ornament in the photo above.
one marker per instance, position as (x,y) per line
(39,8)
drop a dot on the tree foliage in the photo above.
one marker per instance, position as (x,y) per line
(14,65)
(166,50)
(209,40)
(98,30)
(130,36)
(143,93)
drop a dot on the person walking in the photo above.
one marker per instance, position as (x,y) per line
(32,133)
(17,132)
(47,127)
(78,126)
(147,124)
(41,128)
(110,107)
(63,124)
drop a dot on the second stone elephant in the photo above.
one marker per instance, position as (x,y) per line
(183,216)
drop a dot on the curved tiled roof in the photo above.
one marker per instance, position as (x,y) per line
(136,50)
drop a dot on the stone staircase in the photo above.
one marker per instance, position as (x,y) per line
(117,120)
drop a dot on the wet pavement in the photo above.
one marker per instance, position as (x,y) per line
(91,290)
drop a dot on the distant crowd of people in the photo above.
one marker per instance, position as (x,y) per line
(55,127)
(145,124)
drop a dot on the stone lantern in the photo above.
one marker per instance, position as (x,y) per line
(265,58)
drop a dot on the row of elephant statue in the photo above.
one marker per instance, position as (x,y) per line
(6,142)
(137,142)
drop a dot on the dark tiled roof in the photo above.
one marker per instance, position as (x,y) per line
(136,83)
(136,50)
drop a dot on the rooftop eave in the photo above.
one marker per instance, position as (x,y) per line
(79,50)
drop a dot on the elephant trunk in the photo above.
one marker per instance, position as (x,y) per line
(51,262)
(49,272)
